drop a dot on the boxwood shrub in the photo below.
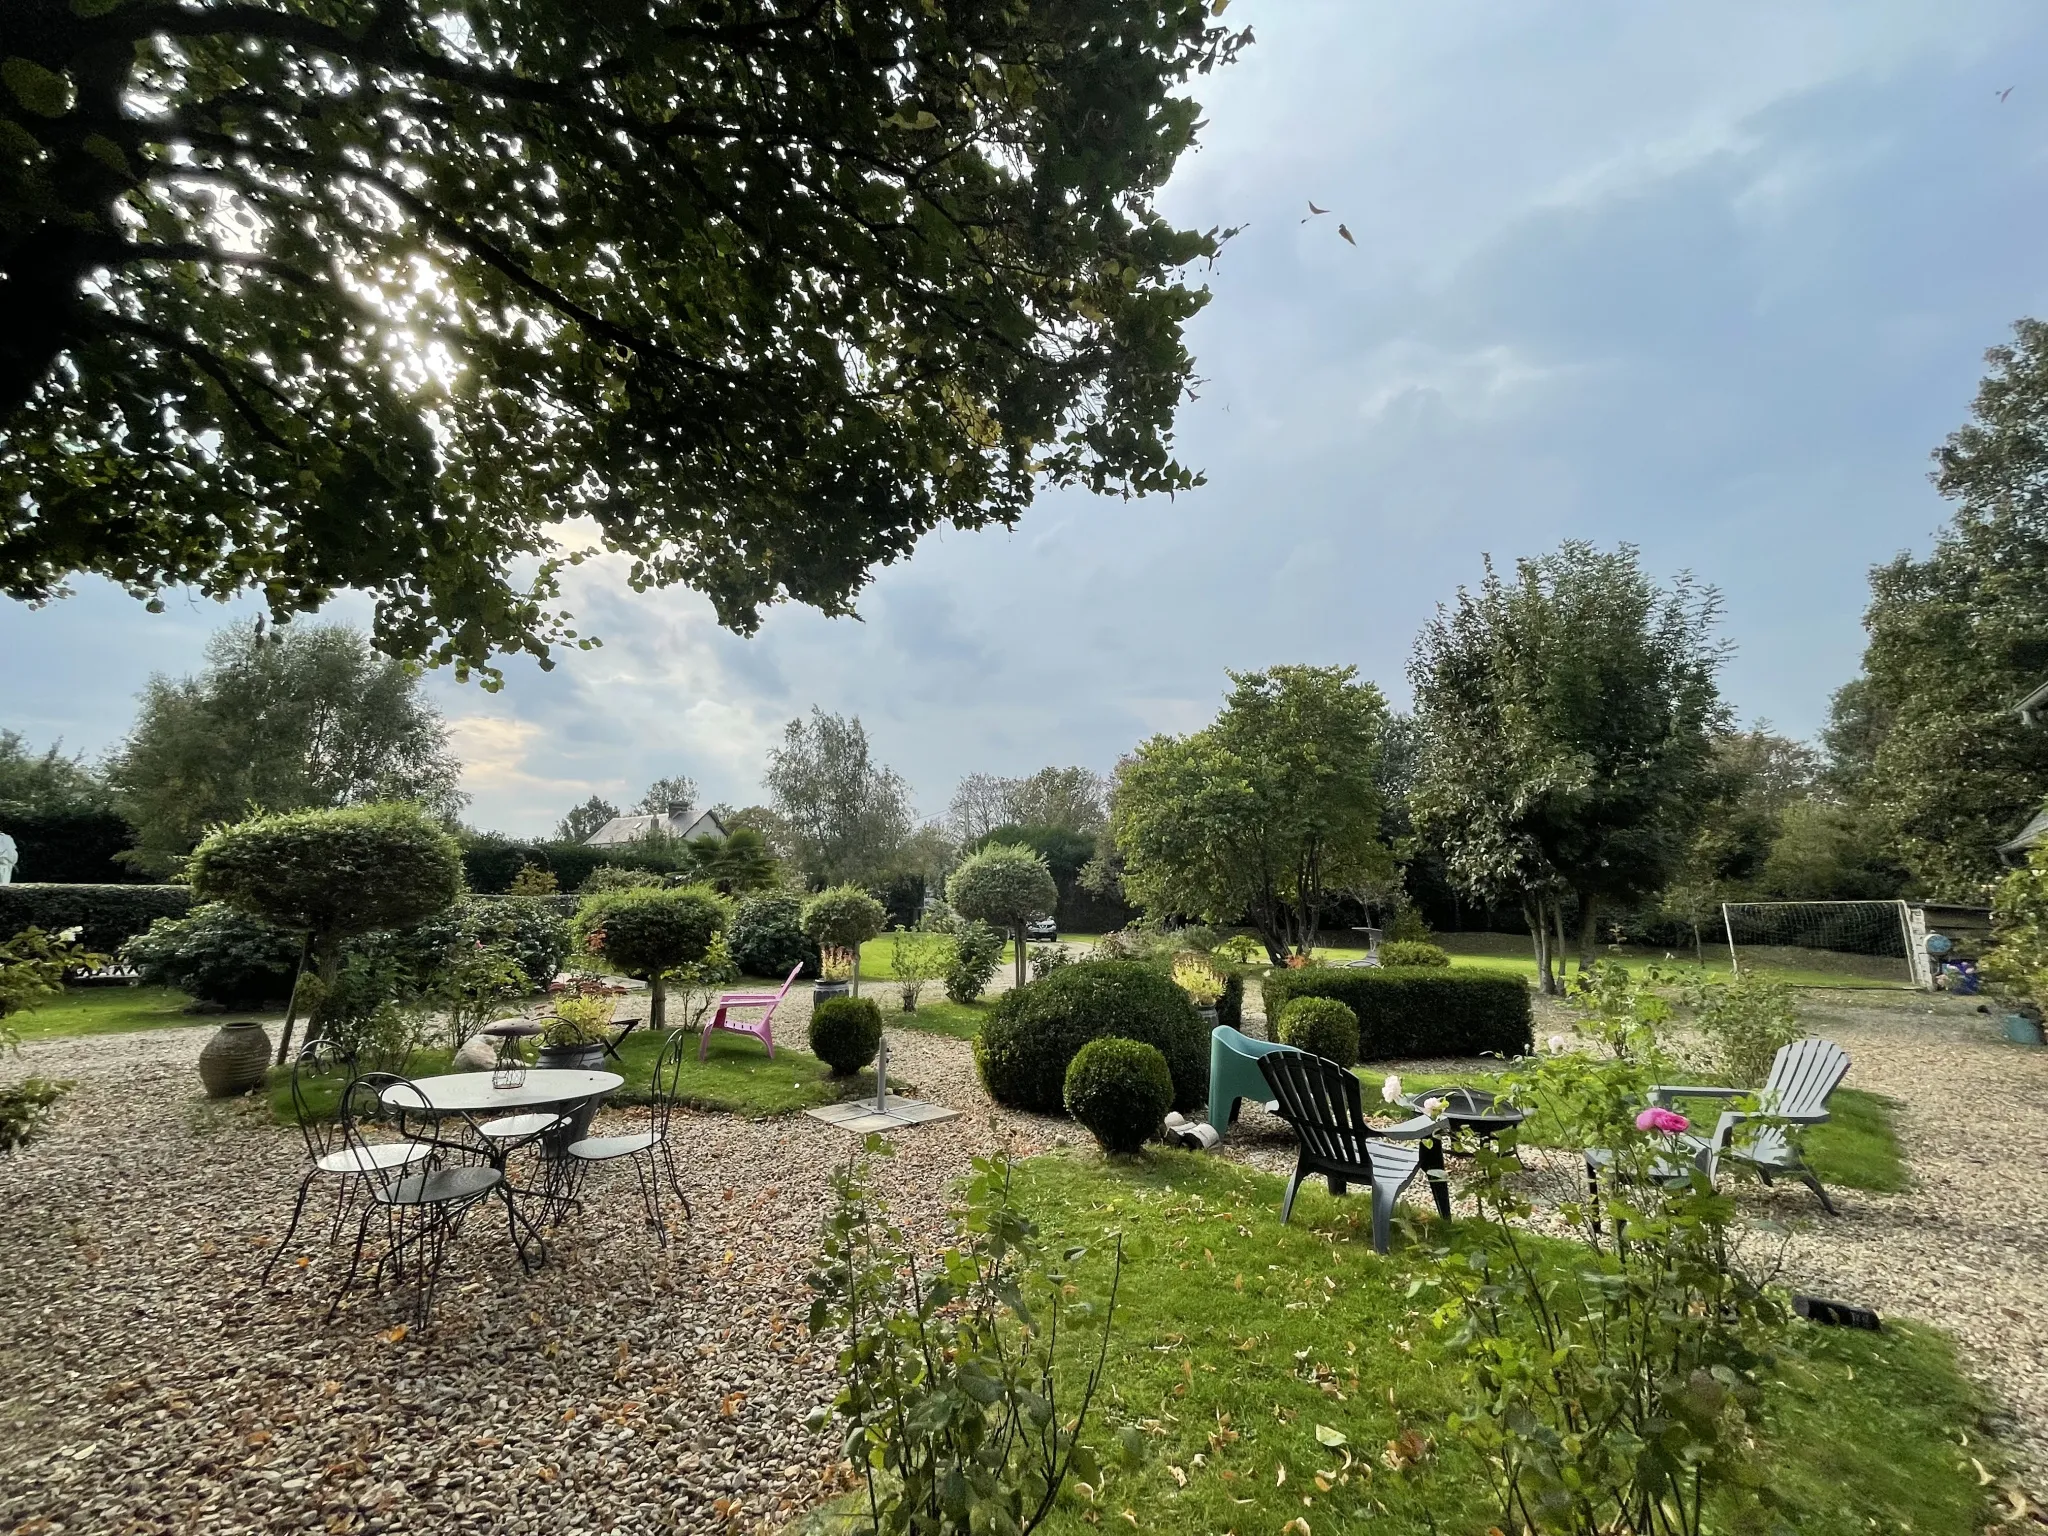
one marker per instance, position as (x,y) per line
(1404,1013)
(1323,1027)
(846,1032)
(1032,1034)
(109,914)
(1120,1090)
(1413,955)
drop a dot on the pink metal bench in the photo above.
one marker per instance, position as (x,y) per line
(759,1029)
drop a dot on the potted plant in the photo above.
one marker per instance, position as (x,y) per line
(843,917)
(1194,975)
(835,974)
(574,1036)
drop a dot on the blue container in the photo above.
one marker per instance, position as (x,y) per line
(2021,1030)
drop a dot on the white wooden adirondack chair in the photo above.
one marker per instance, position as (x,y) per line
(1803,1075)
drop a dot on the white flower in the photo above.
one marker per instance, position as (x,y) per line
(1432,1107)
(1390,1090)
(1558,1044)
(69,935)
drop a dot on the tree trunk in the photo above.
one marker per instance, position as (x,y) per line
(657,1004)
(1020,955)
(1539,935)
(1557,920)
(291,1007)
(1587,933)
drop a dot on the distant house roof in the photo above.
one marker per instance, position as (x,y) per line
(2033,832)
(629,829)
(2035,703)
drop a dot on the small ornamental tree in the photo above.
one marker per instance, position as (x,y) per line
(844,917)
(329,876)
(1005,886)
(648,932)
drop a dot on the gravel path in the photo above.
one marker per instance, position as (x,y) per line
(151,1386)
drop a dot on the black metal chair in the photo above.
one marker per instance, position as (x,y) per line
(422,1206)
(319,1068)
(1321,1101)
(648,1150)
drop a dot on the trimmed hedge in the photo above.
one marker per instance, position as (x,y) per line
(1032,1034)
(71,847)
(1418,1012)
(846,1032)
(110,915)
(1413,955)
(490,863)
(1120,1090)
(1323,1027)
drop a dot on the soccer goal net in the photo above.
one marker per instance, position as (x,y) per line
(1827,943)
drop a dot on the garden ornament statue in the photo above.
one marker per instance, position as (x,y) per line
(9,857)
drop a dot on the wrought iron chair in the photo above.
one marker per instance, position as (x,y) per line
(1321,1101)
(422,1206)
(319,1068)
(649,1151)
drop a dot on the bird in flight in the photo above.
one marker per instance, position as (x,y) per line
(2001,95)
(1314,211)
(1346,233)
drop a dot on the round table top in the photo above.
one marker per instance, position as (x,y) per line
(456,1092)
(1465,1104)
(513,1029)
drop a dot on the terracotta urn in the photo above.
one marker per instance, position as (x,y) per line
(235,1060)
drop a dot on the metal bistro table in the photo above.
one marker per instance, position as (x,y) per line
(473,1096)
(1467,1109)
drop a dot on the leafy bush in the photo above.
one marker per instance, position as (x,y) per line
(845,1033)
(699,983)
(70,846)
(1417,1013)
(533,880)
(1120,1090)
(843,916)
(1322,1026)
(1413,955)
(618,877)
(1047,958)
(767,936)
(106,916)
(964,1386)
(977,951)
(1032,1034)
(218,954)
(530,930)
(648,933)
(26,1107)
(1408,927)
(492,863)
(1230,1006)
(916,959)
(1195,975)
(377,1013)
(1744,1022)
(2018,961)
(1006,886)
(32,966)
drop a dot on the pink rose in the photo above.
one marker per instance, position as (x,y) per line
(1668,1121)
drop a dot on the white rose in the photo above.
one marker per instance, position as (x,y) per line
(69,935)
(1432,1107)
(1558,1044)
(1390,1090)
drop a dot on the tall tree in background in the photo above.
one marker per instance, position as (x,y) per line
(302,719)
(1265,814)
(48,782)
(373,293)
(842,815)
(584,819)
(1073,799)
(1957,639)
(1567,723)
(664,795)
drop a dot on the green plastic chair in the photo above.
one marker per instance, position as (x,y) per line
(1234,1073)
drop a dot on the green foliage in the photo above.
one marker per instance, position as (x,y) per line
(627,296)
(331,873)
(1322,1026)
(1624,1010)
(1005,886)
(1047,958)
(697,984)
(1417,1013)
(957,1404)
(477,986)
(734,864)
(845,1033)
(26,1108)
(977,951)
(297,720)
(1120,1090)
(48,782)
(916,959)
(32,966)
(377,1012)
(1957,638)
(2018,961)
(219,954)
(1567,718)
(1625,1393)
(106,916)
(531,931)
(1266,813)
(1414,955)
(844,816)
(1408,927)
(648,933)
(618,877)
(767,936)
(1744,1021)
(1032,1034)
(843,917)
(1230,1006)
(491,863)
(1074,801)
(585,819)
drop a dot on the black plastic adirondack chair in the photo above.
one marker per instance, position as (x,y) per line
(1803,1075)
(1321,1101)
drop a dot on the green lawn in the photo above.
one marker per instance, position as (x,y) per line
(1508,952)
(1857,1149)
(1238,1340)
(937,1015)
(113,1010)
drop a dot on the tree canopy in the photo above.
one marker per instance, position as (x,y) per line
(1957,640)
(1004,885)
(584,819)
(376,293)
(294,720)
(842,816)
(1567,722)
(47,781)
(1264,814)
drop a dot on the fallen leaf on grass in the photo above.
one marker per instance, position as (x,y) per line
(1328,1436)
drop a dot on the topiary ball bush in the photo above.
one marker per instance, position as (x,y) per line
(1032,1034)
(1322,1026)
(1411,954)
(845,1033)
(767,936)
(1120,1090)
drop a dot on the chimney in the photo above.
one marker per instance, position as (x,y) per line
(678,810)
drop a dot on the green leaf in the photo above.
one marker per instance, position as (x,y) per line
(42,91)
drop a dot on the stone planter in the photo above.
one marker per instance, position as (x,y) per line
(1209,1018)
(575,1058)
(825,990)
(235,1060)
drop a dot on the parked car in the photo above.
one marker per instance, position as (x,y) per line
(1043,930)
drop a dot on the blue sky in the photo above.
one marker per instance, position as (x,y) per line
(1711,279)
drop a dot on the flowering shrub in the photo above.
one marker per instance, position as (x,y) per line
(1194,975)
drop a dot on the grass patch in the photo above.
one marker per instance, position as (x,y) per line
(940,1016)
(1236,1337)
(735,1078)
(113,1011)
(1857,1149)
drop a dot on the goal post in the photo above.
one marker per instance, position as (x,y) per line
(1830,943)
